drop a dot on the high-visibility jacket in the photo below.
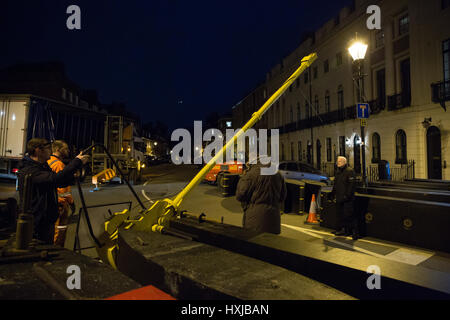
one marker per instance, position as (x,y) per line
(64,194)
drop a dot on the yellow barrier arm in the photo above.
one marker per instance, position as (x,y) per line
(157,217)
(305,63)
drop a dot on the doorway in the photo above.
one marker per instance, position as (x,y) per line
(357,154)
(434,156)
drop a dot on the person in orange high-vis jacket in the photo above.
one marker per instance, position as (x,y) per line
(60,151)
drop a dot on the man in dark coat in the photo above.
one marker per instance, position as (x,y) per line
(44,198)
(344,191)
(261,197)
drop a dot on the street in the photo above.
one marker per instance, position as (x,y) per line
(166,180)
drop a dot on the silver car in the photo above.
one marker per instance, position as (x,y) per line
(302,171)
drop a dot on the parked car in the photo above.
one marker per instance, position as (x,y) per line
(234,167)
(302,171)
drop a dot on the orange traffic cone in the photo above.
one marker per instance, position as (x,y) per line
(312,216)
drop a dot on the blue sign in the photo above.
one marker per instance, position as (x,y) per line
(362,110)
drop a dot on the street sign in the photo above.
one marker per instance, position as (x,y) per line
(362,110)
(363,122)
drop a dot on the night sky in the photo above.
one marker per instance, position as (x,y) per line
(170,60)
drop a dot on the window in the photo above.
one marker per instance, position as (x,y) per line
(300,158)
(290,166)
(340,98)
(446,56)
(316,104)
(292,151)
(282,166)
(298,112)
(445,4)
(376,148)
(307,110)
(315,72)
(326,67)
(403,25)
(328,149)
(381,86)
(327,101)
(342,146)
(379,39)
(338,59)
(400,147)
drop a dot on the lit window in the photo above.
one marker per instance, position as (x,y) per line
(340,98)
(376,148)
(403,25)
(400,147)
(327,101)
(338,59)
(329,149)
(299,151)
(379,39)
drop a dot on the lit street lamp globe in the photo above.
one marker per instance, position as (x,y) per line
(358,50)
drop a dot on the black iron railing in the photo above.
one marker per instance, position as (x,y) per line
(328,168)
(320,120)
(399,101)
(396,172)
(440,92)
(377,105)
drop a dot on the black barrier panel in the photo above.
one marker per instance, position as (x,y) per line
(412,184)
(329,219)
(415,194)
(414,222)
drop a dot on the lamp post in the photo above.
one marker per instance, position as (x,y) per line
(358,51)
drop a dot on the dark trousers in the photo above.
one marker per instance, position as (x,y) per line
(44,231)
(346,217)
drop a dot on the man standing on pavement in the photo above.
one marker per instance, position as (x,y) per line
(261,197)
(344,191)
(65,200)
(44,200)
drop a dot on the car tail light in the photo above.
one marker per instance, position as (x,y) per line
(15,170)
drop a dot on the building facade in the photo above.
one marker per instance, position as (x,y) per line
(406,83)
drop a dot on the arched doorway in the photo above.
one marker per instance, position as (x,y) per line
(434,156)
(357,154)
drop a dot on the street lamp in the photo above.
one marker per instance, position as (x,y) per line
(358,51)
